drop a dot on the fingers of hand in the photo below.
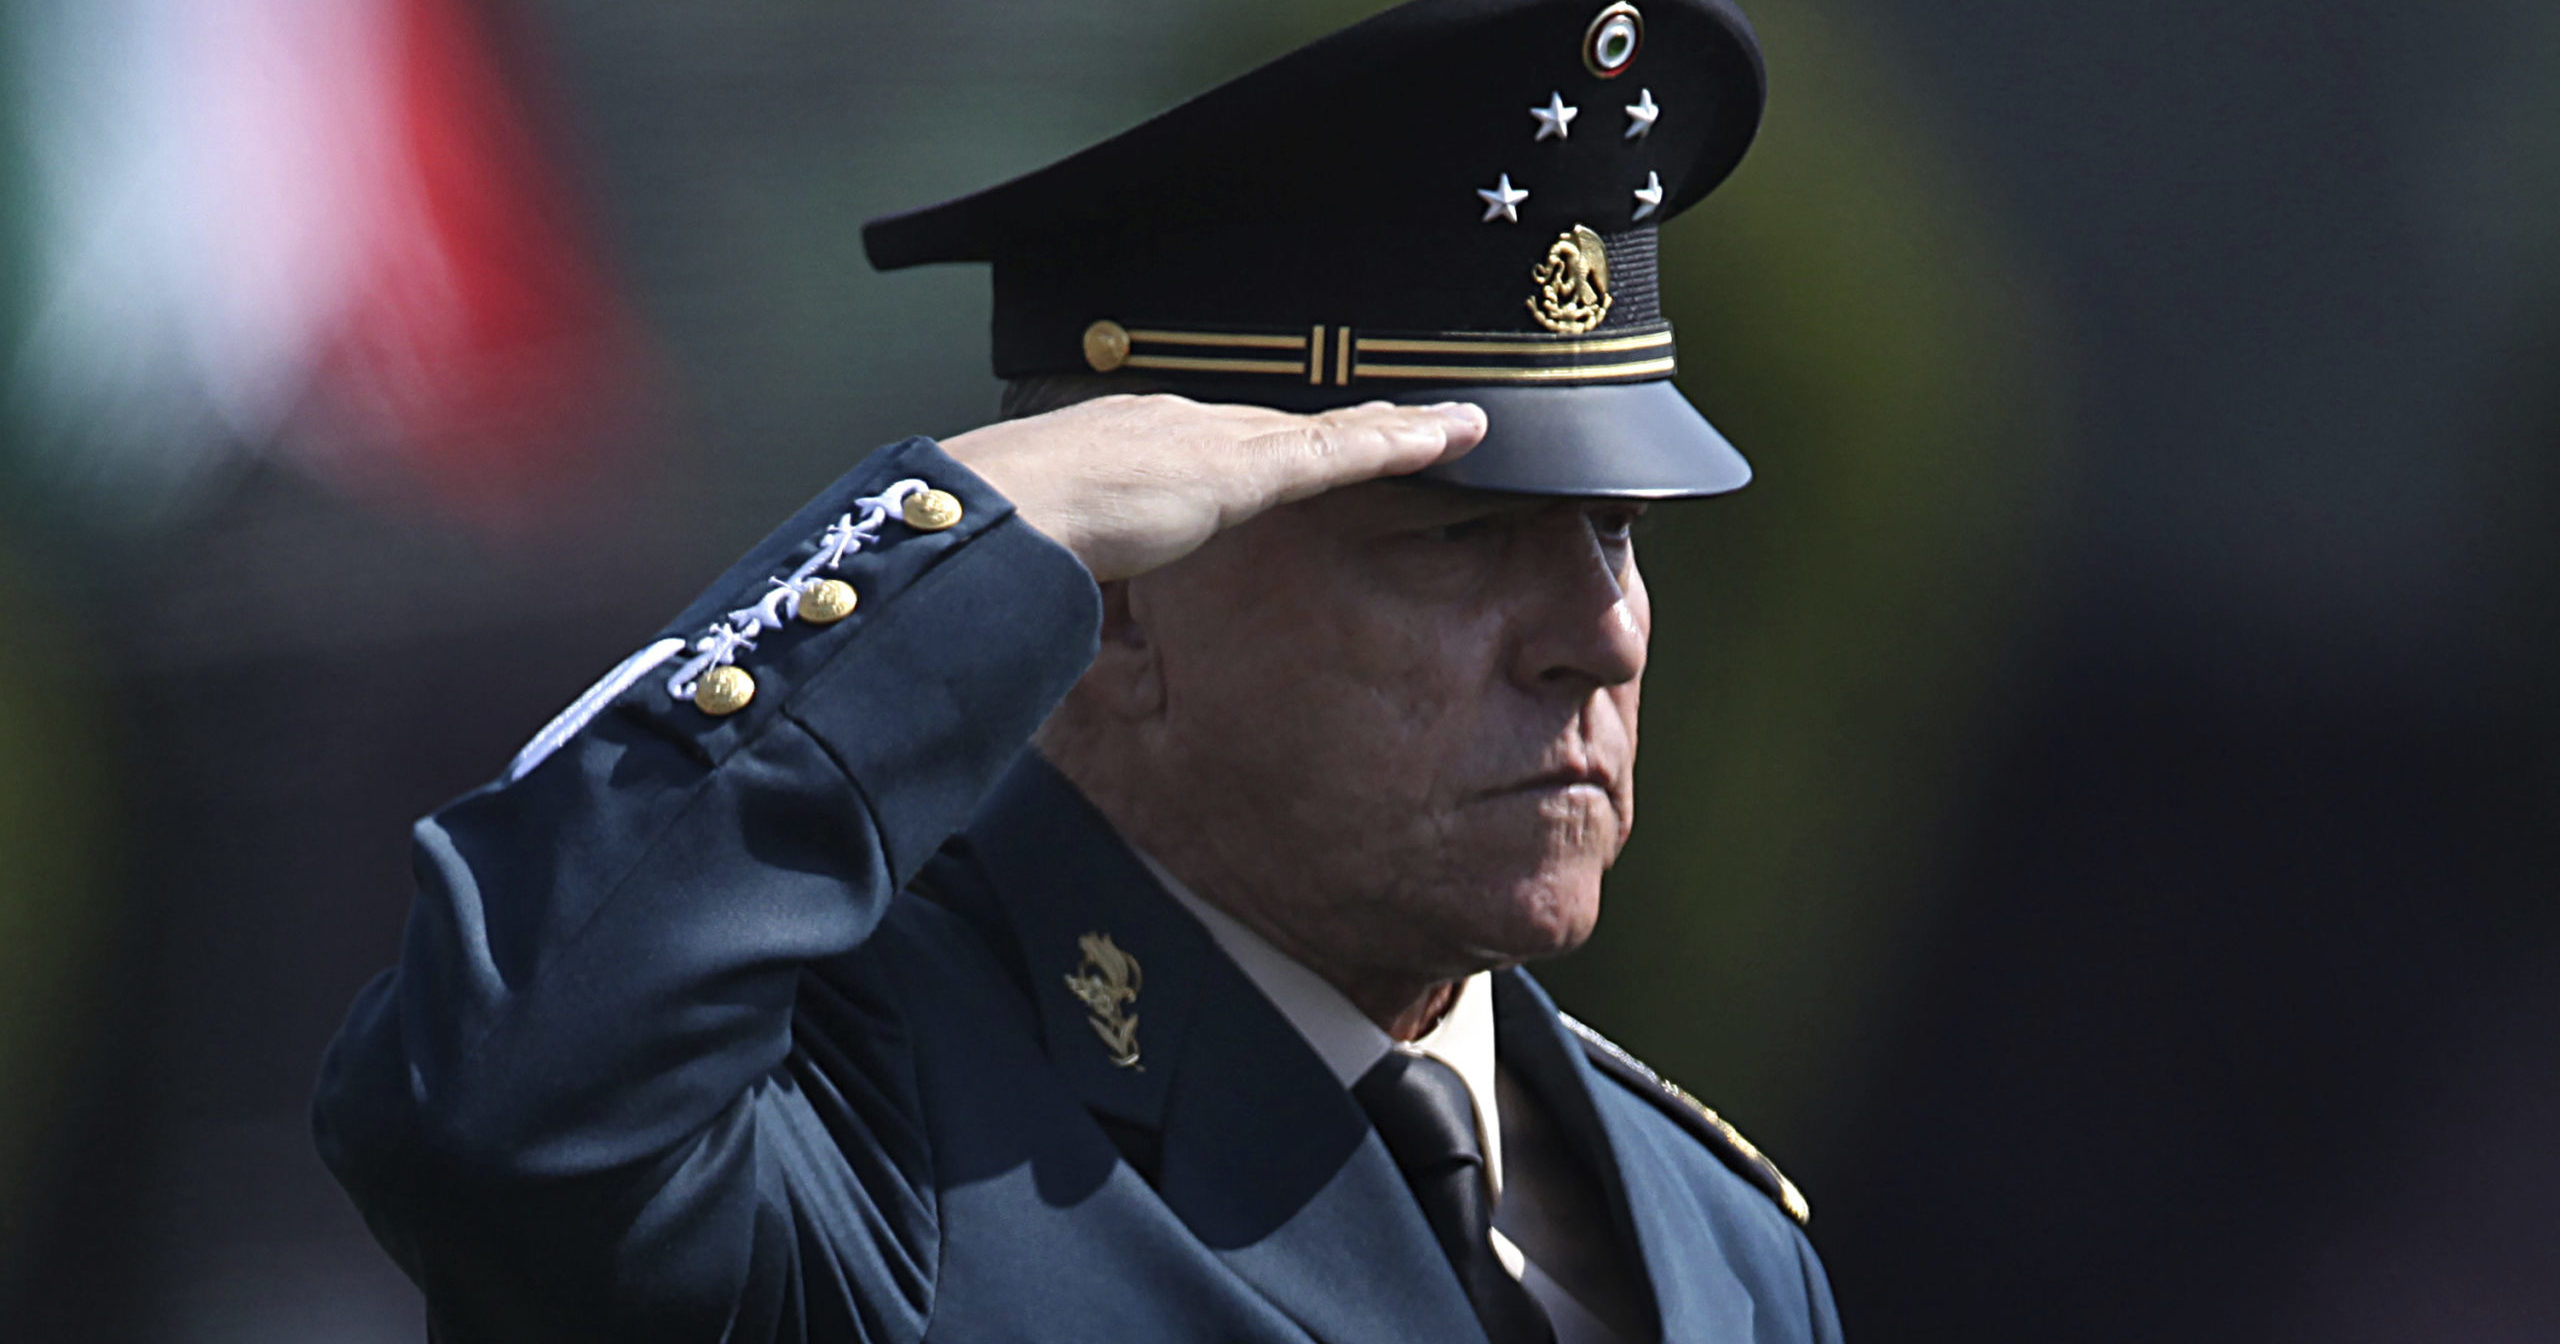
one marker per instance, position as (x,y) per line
(1131,482)
(1358,443)
(1450,428)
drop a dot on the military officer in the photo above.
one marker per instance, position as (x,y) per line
(1069,883)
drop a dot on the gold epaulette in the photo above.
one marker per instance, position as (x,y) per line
(1696,1116)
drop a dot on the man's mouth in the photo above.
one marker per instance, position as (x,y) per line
(1558,780)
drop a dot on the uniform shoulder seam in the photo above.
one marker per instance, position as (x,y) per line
(1695,1116)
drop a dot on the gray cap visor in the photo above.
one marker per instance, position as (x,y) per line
(1624,440)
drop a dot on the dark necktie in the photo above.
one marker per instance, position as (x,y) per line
(1428,1122)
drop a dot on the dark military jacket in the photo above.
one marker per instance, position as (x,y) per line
(758,1026)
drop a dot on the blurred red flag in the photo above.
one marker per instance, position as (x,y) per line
(481,351)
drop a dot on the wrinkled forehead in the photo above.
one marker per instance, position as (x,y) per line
(1354,539)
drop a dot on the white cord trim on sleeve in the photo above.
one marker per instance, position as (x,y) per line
(719,646)
(584,709)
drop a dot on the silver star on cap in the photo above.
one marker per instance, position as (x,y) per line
(1502,200)
(1649,196)
(1555,118)
(1641,114)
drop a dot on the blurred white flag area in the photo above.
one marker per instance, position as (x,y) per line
(325,232)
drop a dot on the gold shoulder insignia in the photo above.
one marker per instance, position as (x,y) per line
(1695,1116)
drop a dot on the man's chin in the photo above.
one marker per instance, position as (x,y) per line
(1537,856)
(1539,915)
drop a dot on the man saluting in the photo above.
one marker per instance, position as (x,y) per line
(1069,882)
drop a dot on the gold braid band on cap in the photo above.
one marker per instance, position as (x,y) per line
(1338,356)
(1108,347)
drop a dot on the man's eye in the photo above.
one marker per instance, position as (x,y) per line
(1465,529)
(1615,525)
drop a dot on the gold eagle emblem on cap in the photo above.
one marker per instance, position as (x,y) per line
(1106,982)
(1573,283)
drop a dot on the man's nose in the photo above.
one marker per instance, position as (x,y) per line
(1583,623)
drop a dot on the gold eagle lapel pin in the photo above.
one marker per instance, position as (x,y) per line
(1107,983)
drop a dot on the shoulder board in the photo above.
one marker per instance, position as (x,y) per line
(1694,1116)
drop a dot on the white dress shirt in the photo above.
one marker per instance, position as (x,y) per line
(1350,1044)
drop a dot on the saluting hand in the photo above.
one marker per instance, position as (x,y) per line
(1130,483)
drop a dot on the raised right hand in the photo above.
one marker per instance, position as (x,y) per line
(1130,483)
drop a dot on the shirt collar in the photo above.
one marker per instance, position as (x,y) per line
(1343,1036)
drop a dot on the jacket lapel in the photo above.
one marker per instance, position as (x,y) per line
(1256,1147)
(1059,884)
(1691,1282)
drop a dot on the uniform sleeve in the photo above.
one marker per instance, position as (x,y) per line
(575,1109)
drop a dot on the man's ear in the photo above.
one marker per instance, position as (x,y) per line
(1127,676)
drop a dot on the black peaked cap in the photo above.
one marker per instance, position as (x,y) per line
(1454,198)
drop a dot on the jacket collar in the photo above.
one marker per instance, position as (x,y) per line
(1643,1172)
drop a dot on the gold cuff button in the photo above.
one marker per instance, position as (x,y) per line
(1106,345)
(932,510)
(724,690)
(827,601)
